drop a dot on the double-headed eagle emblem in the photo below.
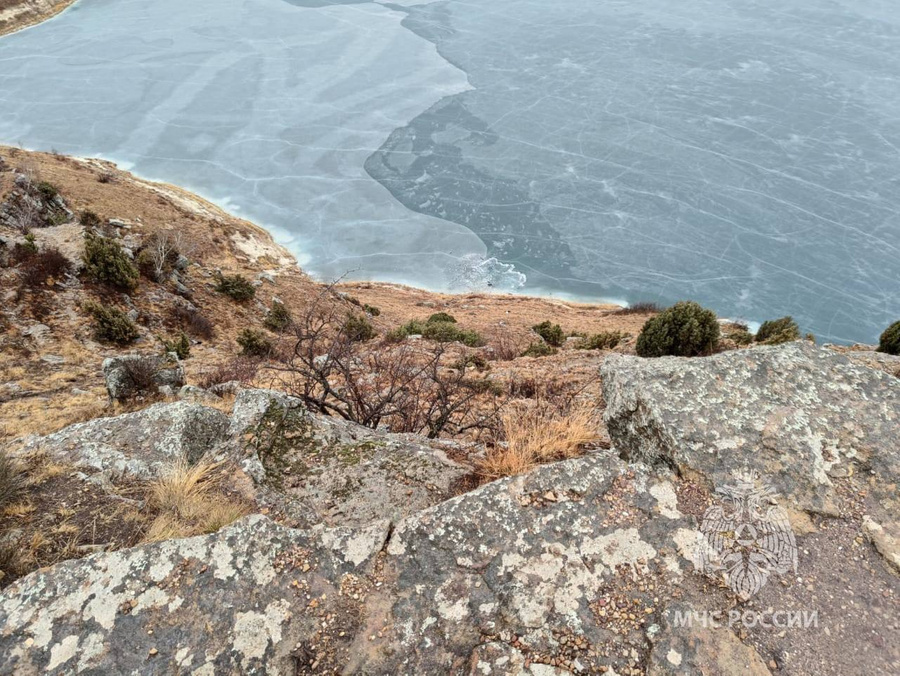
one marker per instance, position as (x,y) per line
(747,538)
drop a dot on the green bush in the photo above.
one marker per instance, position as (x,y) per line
(447,332)
(106,262)
(605,340)
(551,333)
(539,350)
(89,219)
(890,339)
(777,331)
(181,346)
(441,318)
(111,325)
(278,318)
(371,310)
(47,190)
(254,343)
(684,330)
(358,329)
(236,287)
(438,330)
(740,335)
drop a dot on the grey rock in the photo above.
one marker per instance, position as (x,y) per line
(801,415)
(318,469)
(121,385)
(889,363)
(231,387)
(182,263)
(198,395)
(36,331)
(227,603)
(140,444)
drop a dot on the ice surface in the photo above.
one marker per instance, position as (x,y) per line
(744,154)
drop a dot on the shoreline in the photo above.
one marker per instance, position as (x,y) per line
(17,26)
(199,203)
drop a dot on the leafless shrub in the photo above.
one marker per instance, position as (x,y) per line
(158,256)
(239,369)
(142,374)
(193,322)
(407,387)
(502,346)
(48,264)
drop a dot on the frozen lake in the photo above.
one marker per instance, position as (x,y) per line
(743,154)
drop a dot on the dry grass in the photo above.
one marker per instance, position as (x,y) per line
(539,432)
(189,501)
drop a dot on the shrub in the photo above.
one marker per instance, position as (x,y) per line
(358,329)
(106,261)
(605,340)
(47,191)
(641,308)
(239,369)
(740,335)
(142,374)
(476,361)
(181,346)
(447,332)
(43,267)
(111,325)
(278,318)
(236,287)
(551,333)
(254,343)
(371,310)
(539,350)
(684,330)
(89,219)
(777,331)
(193,322)
(27,248)
(889,342)
(159,255)
(441,317)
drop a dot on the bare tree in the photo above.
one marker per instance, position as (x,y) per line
(409,387)
(162,251)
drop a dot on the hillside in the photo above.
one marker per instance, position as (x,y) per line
(211,463)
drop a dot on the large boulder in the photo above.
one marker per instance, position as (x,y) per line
(802,416)
(318,469)
(582,567)
(132,374)
(234,602)
(138,444)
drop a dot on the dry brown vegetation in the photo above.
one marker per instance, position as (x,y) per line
(190,500)
(537,432)
(49,514)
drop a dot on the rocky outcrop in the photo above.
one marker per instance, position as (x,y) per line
(587,566)
(134,374)
(317,469)
(138,444)
(803,416)
(234,602)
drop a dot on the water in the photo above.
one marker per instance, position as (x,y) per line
(743,154)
